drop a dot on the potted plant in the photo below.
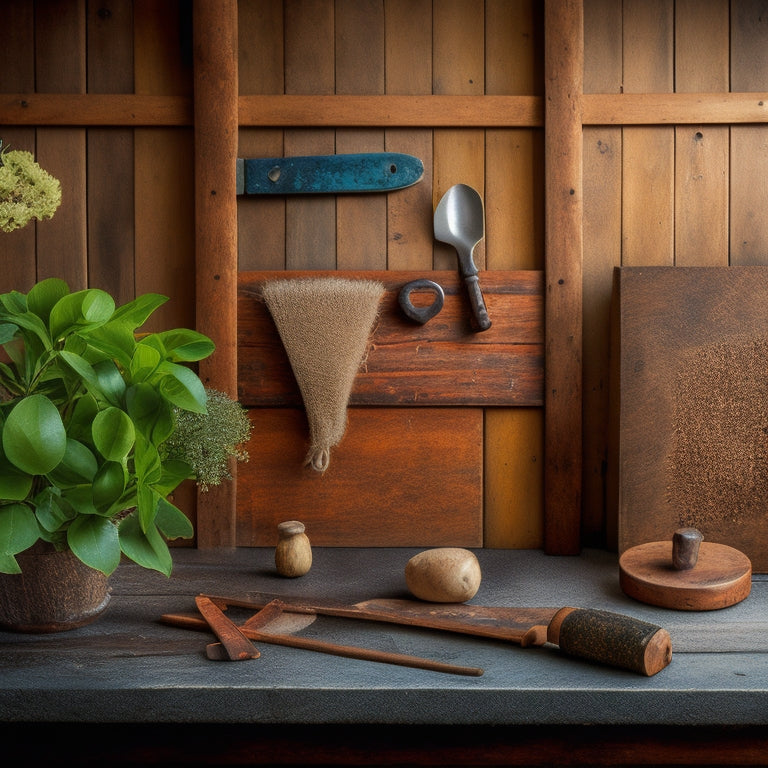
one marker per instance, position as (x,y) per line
(91,412)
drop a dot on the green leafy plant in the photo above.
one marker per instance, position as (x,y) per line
(87,407)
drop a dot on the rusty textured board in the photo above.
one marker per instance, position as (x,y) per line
(689,406)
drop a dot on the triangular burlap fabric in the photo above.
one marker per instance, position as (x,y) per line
(324,324)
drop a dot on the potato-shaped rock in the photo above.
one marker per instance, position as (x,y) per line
(443,575)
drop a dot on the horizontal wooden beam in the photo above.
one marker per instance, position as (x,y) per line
(438,111)
(674,108)
(84,109)
(428,111)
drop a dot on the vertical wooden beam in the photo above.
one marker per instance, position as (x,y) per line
(563,70)
(216,125)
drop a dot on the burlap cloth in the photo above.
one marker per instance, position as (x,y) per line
(324,324)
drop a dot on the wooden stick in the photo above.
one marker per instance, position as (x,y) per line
(348,651)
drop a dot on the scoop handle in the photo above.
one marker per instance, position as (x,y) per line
(611,638)
(478,302)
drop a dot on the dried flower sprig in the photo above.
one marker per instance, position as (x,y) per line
(27,191)
(206,441)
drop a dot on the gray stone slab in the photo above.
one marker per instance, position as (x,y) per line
(129,667)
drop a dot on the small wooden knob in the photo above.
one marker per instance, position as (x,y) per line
(685,548)
(293,554)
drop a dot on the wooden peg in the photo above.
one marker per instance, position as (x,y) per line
(685,548)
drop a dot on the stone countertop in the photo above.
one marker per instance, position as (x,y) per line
(129,667)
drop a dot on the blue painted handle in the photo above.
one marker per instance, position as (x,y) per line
(328,174)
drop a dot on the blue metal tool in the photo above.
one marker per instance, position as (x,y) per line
(328,174)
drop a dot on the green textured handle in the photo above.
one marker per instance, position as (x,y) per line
(611,638)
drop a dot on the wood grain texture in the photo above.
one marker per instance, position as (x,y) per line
(408,60)
(458,68)
(749,161)
(110,181)
(384,487)
(701,152)
(261,221)
(720,578)
(514,218)
(310,224)
(687,361)
(60,68)
(361,220)
(440,363)
(17,71)
(602,158)
(563,268)
(216,129)
(648,152)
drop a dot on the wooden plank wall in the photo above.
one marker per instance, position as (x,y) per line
(656,192)
(402,47)
(674,158)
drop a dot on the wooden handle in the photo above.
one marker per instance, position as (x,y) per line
(611,638)
(478,302)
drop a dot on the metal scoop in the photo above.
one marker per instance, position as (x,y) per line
(459,222)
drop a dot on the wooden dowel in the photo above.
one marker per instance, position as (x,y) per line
(348,651)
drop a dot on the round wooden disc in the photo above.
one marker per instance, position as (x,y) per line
(721,577)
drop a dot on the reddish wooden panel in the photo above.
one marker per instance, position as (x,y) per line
(400,477)
(440,363)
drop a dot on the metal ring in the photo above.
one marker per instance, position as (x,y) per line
(421,314)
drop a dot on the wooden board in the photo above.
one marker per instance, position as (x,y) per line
(720,578)
(443,362)
(689,406)
(400,477)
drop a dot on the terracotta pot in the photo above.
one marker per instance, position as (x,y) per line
(54,592)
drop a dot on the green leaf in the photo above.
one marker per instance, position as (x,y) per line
(77,466)
(151,414)
(34,438)
(108,485)
(184,345)
(149,549)
(31,322)
(146,505)
(7,332)
(96,542)
(113,434)
(175,471)
(15,485)
(136,312)
(82,309)
(146,461)
(44,295)
(114,340)
(9,564)
(144,362)
(18,528)
(83,369)
(182,387)
(81,420)
(111,382)
(13,303)
(53,513)
(172,522)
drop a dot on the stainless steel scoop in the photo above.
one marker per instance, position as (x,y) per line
(459,222)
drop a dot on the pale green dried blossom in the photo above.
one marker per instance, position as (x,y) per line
(26,190)
(207,441)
